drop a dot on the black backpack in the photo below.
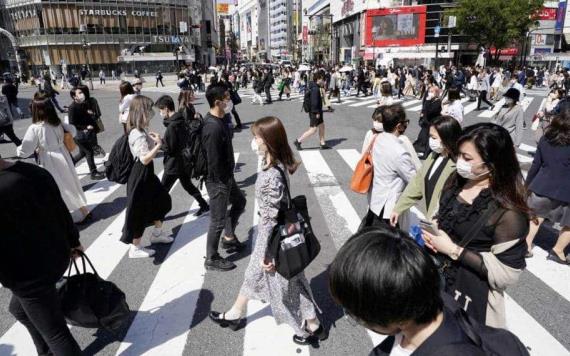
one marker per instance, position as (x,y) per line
(193,155)
(307,101)
(118,166)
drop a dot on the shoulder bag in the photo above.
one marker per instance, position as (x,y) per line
(292,244)
(69,142)
(469,290)
(89,301)
(364,171)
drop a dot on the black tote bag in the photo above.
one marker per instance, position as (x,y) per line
(292,249)
(89,301)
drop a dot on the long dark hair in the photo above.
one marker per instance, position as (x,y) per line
(496,148)
(125,89)
(43,110)
(271,130)
(449,131)
(558,132)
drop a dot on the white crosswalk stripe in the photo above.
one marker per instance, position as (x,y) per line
(178,280)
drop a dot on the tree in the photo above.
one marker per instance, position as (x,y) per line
(495,23)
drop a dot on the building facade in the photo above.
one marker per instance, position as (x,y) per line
(108,34)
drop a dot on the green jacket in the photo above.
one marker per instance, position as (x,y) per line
(415,191)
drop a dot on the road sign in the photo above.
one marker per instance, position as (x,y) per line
(436,31)
(452,22)
(183,27)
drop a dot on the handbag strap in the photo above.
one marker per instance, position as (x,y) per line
(84,258)
(290,200)
(481,221)
(371,145)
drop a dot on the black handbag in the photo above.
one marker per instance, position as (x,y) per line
(89,301)
(292,244)
(234,96)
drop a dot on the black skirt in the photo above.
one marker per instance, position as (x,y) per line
(147,201)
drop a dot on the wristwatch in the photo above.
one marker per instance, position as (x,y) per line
(455,253)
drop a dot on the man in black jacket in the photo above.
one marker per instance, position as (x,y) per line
(315,114)
(34,253)
(417,317)
(267,83)
(175,140)
(220,183)
(431,108)
(10,91)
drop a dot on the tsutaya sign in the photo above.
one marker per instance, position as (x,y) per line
(123,12)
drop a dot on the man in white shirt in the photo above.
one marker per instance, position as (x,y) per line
(393,166)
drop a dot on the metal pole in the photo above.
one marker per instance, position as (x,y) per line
(436,51)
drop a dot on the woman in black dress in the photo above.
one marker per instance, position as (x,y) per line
(483,221)
(147,201)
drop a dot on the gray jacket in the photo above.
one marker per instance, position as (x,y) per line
(512,120)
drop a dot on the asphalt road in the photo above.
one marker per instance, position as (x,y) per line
(171,294)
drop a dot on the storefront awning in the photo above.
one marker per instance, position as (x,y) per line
(156,57)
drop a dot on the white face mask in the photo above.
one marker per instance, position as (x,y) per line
(430,96)
(255,148)
(229,107)
(378,126)
(435,145)
(465,169)
(80,98)
(509,101)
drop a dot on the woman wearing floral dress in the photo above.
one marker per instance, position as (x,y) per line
(291,300)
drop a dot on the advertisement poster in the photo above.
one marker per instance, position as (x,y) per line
(404,26)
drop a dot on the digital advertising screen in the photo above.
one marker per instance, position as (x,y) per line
(403,26)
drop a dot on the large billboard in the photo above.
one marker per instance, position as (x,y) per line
(402,26)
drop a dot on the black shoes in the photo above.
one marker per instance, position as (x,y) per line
(233,244)
(220,319)
(87,219)
(320,334)
(325,147)
(298,145)
(553,256)
(203,209)
(217,263)
(95,175)
(238,127)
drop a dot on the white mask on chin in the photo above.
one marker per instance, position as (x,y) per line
(255,148)
(229,107)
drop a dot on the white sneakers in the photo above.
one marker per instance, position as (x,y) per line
(140,252)
(157,237)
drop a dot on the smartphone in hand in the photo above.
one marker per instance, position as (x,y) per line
(429,226)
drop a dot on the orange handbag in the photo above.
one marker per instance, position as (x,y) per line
(364,171)
(69,142)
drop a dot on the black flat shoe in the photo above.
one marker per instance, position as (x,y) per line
(298,145)
(552,256)
(87,219)
(321,333)
(234,244)
(220,319)
(325,147)
(304,340)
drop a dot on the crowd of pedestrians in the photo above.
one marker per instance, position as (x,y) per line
(479,215)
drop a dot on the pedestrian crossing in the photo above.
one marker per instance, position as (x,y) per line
(411,104)
(166,308)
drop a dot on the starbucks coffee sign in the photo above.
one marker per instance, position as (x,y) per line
(115,12)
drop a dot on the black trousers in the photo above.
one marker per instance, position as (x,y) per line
(361,88)
(168,181)
(159,80)
(40,312)
(221,195)
(86,150)
(236,116)
(268,94)
(483,97)
(9,131)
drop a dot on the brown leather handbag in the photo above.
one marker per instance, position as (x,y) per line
(364,171)
(69,142)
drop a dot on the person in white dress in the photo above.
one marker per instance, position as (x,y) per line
(453,106)
(45,136)
(127,94)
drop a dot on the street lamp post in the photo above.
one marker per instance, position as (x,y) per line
(86,45)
